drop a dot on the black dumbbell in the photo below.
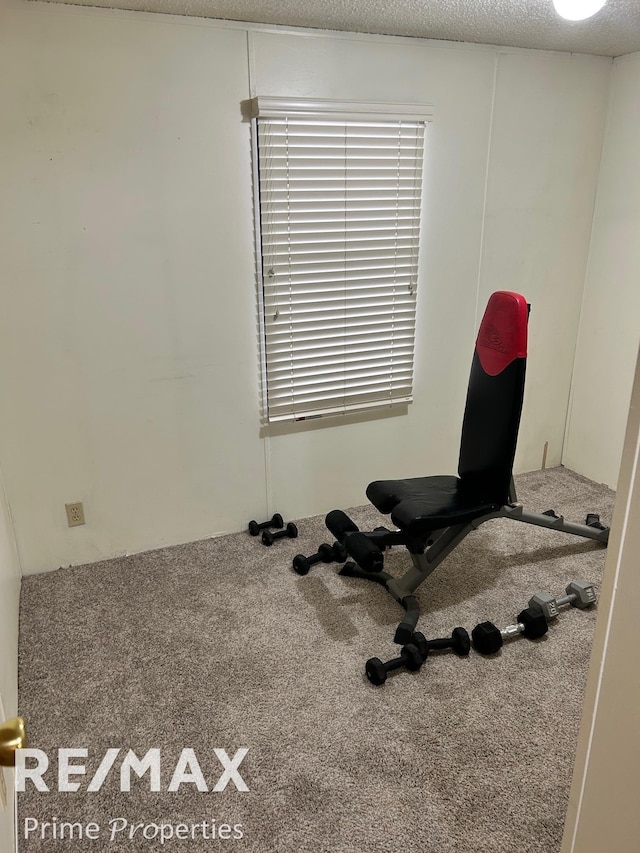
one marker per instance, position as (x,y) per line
(268,538)
(276,521)
(326,553)
(459,641)
(487,638)
(410,657)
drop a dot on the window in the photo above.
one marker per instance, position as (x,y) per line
(339,188)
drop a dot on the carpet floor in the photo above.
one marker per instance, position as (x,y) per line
(219,644)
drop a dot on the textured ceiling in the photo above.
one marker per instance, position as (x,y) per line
(517,23)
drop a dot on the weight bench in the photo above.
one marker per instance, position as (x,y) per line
(434,514)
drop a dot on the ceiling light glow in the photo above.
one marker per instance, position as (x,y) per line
(578,10)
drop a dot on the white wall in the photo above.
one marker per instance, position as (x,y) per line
(512,160)
(9,603)
(610,324)
(128,325)
(129,319)
(545,154)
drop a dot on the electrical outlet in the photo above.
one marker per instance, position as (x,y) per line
(75,514)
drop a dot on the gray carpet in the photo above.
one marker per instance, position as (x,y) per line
(220,644)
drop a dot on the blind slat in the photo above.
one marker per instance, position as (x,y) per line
(322,327)
(309,349)
(309,366)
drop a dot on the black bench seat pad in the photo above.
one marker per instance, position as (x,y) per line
(419,505)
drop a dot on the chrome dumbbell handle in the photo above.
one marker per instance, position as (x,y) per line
(512,630)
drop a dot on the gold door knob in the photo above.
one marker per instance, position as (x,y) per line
(13,736)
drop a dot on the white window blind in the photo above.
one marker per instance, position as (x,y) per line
(339,204)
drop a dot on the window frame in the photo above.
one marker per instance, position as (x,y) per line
(276,107)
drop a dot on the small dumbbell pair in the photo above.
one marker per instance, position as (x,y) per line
(326,553)
(268,538)
(414,654)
